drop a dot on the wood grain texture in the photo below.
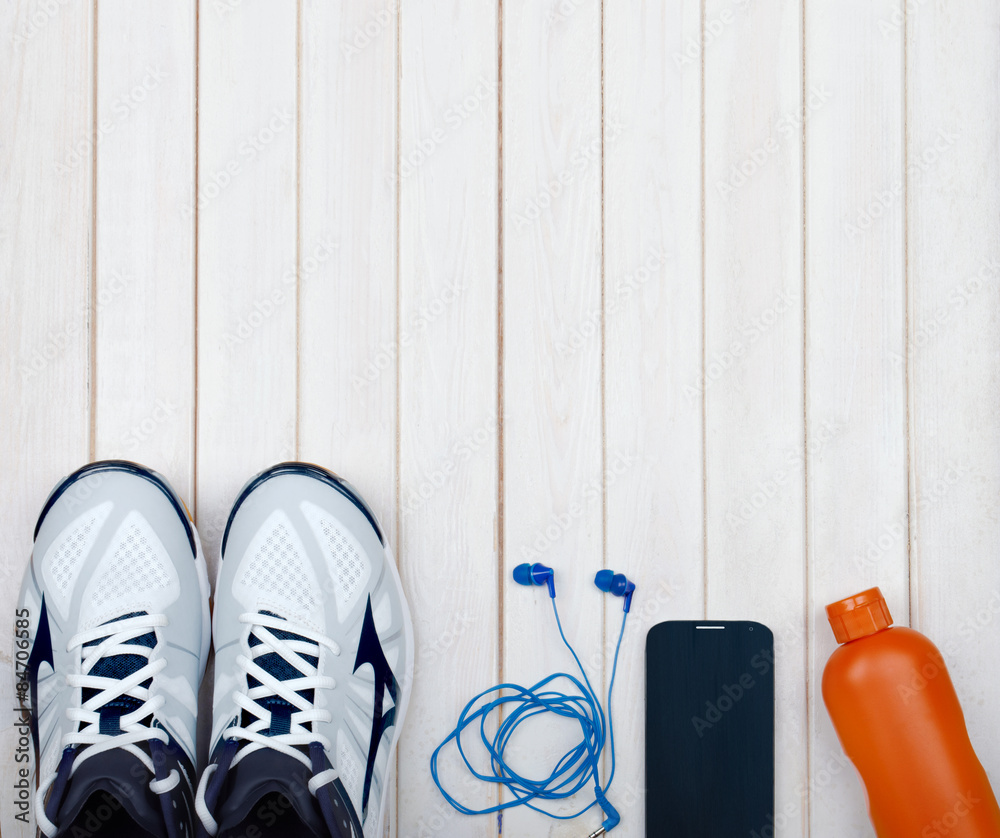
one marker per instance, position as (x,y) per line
(347,269)
(246,213)
(553,468)
(855,356)
(145,401)
(703,291)
(347,243)
(447,180)
(46,211)
(953,192)
(653,340)
(753,385)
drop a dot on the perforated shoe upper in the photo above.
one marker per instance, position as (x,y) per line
(302,546)
(114,545)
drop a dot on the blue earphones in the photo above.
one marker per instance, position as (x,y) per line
(615,584)
(580,765)
(608,581)
(535,574)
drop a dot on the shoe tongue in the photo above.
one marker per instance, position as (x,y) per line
(119,667)
(283,781)
(276,666)
(120,781)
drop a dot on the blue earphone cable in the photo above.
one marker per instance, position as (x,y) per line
(577,766)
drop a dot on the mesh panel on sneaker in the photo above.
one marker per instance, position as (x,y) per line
(136,568)
(349,767)
(348,564)
(277,569)
(73,544)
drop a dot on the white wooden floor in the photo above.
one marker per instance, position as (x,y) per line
(706,291)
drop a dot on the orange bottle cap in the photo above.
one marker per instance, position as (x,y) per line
(859,615)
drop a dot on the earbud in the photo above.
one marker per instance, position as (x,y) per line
(615,584)
(535,574)
(578,767)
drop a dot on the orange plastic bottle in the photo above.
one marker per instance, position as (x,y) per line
(898,717)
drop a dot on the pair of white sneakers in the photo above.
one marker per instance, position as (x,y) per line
(313,659)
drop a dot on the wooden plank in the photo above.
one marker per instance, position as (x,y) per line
(753,382)
(347,249)
(246,215)
(653,322)
(144,236)
(46,180)
(953,186)
(448,182)
(855,341)
(553,468)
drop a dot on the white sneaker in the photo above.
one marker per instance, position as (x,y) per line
(113,635)
(313,662)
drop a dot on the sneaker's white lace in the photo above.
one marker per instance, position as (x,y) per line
(246,698)
(118,636)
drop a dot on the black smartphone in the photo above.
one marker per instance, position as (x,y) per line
(709,730)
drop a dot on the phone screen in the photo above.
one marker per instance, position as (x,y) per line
(709,730)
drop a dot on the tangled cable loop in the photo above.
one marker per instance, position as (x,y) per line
(575,770)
